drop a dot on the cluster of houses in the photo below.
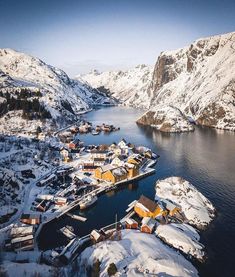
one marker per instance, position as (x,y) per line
(151,213)
(116,162)
(20,238)
(147,213)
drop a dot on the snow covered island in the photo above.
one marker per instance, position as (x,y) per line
(197,209)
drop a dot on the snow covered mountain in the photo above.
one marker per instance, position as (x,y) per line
(26,77)
(199,80)
(130,87)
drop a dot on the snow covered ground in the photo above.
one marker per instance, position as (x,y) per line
(25,77)
(198,210)
(137,254)
(166,119)
(183,237)
(12,269)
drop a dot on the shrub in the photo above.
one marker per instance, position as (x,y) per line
(112,269)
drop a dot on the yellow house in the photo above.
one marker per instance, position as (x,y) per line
(145,207)
(170,208)
(111,174)
(132,169)
(137,160)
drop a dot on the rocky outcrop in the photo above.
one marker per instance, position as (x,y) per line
(166,119)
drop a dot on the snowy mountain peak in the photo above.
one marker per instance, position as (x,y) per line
(128,86)
(61,96)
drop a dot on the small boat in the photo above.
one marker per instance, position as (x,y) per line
(87,201)
(94,133)
(68,232)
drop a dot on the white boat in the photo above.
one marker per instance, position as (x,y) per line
(87,201)
(94,133)
(68,232)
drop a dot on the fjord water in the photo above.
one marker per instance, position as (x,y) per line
(205,157)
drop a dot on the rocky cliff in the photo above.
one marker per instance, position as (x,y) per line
(199,80)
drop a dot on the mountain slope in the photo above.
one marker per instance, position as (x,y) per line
(130,87)
(199,80)
(56,92)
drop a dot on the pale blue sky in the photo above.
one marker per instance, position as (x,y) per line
(78,36)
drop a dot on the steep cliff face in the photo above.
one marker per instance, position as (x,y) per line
(199,80)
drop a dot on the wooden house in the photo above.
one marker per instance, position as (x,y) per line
(111,174)
(148,225)
(60,201)
(101,170)
(31,219)
(64,152)
(22,243)
(97,236)
(132,169)
(135,159)
(51,178)
(96,153)
(145,207)
(131,223)
(170,207)
(118,161)
(123,144)
(99,161)
(21,231)
(43,206)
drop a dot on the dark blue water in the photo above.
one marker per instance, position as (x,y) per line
(205,157)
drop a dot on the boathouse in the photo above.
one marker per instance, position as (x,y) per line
(31,218)
(97,236)
(21,231)
(132,169)
(145,207)
(22,243)
(131,223)
(148,225)
(111,174)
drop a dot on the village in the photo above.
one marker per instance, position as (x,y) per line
(58,174)
(67,176)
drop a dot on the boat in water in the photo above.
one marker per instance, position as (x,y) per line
(68,232)
(87,201)
(95,133)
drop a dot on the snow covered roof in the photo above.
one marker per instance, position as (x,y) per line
(148,203)
(107,167)
(21,239)
(130,221)
(119,171)
(150,222)
(21,231)
(95,234)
